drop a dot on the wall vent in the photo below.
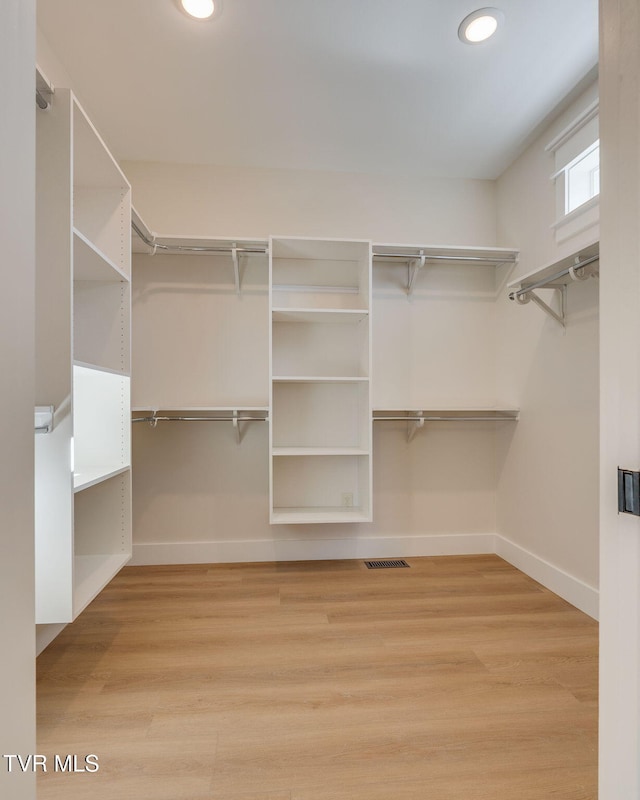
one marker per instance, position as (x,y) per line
(388,564)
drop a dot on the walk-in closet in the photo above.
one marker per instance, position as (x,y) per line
(318,421)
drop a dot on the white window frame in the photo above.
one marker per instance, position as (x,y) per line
(568,147)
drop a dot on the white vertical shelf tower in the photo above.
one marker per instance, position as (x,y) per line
(320,395)
(83,481)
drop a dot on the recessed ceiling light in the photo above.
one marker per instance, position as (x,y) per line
(200,9)
(480,26)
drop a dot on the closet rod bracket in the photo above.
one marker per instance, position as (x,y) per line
(236,266)
(43,422)
(414,265)
(414,425)
(523,299)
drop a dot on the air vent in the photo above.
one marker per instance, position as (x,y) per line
(389,564)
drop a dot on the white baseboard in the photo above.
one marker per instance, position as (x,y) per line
(309,549)
(570,588)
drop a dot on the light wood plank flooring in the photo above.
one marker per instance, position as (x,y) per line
(457,678)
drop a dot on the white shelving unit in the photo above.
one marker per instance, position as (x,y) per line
(320,367)
(83,481)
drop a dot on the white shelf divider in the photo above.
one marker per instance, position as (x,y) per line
(91,264)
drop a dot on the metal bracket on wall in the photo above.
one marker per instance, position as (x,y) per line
(43,419)
(413,425)
(414,265)
(523,299)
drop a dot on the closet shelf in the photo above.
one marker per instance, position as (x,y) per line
(416,419)
(328,315)
(415,257)
(579,266)
(100,368)
(144,240)
(446,414)
(307,515)
(92,476)
(319,451)
(188,409)
(91,264)
(317,379)
(234,415)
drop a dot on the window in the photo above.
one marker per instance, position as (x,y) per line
(582,178)
(576,152)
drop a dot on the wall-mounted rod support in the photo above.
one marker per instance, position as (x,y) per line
(44,90)
(413,425)
(414,265)
(43,419)
(571,271)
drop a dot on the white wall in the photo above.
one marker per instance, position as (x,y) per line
(548,484)
(197,494)
(228,202)
(17,226)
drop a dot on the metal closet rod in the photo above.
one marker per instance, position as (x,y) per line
(443,419)
(194,248)
(198,419)
(510,259)
(264,250)
(547,281)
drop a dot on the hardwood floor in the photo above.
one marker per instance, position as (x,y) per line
(457,678)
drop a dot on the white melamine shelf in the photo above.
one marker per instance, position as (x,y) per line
(326,315)
(547,272)
(490,256)
(307,515)
(451,411)
(100,368)
(317,379)
(92,574)
(319,451)
(91,264)
(228,409)
(91,477)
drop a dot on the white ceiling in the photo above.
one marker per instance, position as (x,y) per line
(348,85)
